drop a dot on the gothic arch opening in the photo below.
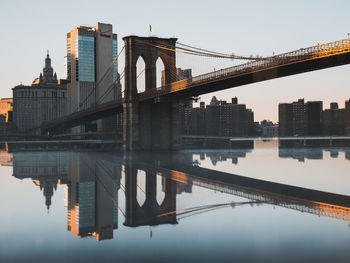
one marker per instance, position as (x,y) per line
(160,73)
(160,189)
(141,187)
(140,75)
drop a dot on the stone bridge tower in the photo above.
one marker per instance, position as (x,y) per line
(150,213)
(152,124)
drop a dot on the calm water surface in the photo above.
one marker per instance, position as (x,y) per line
(258,205)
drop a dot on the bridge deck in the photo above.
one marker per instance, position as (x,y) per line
(306,200)
(299,61)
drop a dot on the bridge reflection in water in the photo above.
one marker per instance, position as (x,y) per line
(93,181)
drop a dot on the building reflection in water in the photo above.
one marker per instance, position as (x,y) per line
(45,169)
(217,156)
(302,154)
(5,156)
(92,190)
(93,181)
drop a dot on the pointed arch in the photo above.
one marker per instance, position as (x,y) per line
(160,73)
(141,74)
(160,189)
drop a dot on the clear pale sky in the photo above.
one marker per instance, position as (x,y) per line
(29,28)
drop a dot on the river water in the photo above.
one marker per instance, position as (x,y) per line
(262,204)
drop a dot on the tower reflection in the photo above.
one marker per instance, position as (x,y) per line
(92,190)
(94,180)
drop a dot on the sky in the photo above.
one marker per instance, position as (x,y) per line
(30,27)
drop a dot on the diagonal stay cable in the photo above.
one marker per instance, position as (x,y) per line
(98,83)
(105,187)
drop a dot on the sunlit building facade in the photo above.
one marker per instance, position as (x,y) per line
(6,109)
(91,78)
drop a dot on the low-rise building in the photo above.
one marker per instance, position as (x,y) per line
(268,129)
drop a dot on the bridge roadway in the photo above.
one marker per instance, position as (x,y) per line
(299,61)
(297,198)
(286,138)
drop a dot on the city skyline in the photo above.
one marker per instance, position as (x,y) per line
(290,33)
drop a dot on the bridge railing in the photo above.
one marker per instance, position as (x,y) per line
(302,54)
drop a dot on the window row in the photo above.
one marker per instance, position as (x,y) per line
(39,94)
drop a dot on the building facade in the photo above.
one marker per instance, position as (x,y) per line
(347,117)
(6,109)
(91,78)
(333,120)
(268,129)
(44,100)
(220,118)
(299,118)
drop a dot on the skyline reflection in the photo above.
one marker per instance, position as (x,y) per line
(150,185)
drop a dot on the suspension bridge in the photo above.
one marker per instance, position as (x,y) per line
(150,118)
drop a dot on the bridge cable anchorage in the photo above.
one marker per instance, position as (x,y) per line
(99,82)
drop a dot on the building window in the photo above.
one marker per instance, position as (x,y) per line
(115,54)
(85,53)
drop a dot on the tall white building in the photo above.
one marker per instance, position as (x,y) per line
(91,80)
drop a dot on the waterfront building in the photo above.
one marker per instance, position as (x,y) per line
(198,120)
(299,118)
(185,108)
(285,119)
(268,129)
(44,100)
(220,118)
(91,78)
(6,109)
(314,118)
(347,117)
(333,120)
(229,119)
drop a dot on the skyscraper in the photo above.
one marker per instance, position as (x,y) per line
(91,78)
